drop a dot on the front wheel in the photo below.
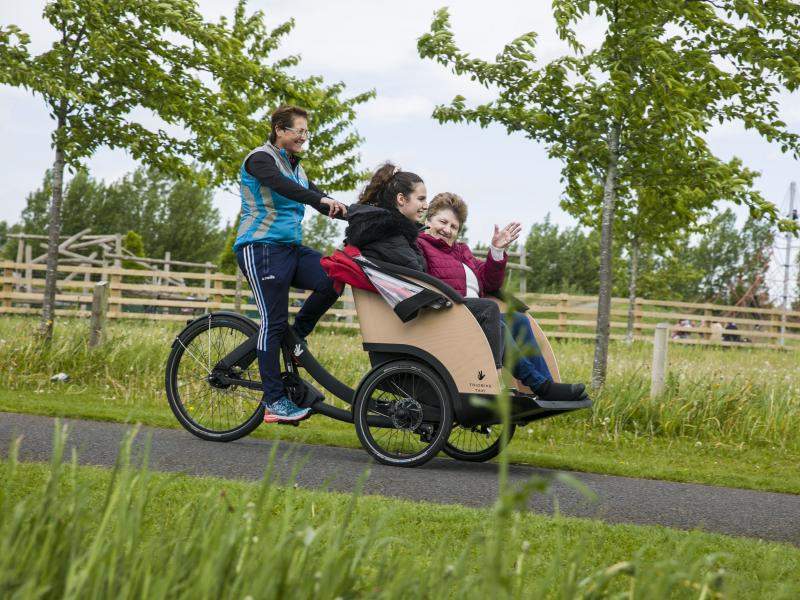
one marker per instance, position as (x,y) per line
(476,444)
(402,413)
(200,394)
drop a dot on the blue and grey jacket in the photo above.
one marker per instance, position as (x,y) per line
(275,191)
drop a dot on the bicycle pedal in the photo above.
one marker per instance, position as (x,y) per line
(292,423)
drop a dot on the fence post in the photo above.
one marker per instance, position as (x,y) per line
(114,292)
(28,270)
(523,272)
(207,280)
(99,309)
(8,285)
(562,315)
(237,302)
(118,250)
(707,316)
(637,318)
(778,327)
(167,257)
(217,292)
(659,372)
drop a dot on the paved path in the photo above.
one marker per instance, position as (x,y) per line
(766,515)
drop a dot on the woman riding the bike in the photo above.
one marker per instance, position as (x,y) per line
(275,192)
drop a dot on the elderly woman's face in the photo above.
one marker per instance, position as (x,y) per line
(444,225)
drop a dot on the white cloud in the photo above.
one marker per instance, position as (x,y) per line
(372,44)
(397,108)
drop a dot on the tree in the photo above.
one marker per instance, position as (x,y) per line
(210,84)
(227,259)
(178,217)
(657,215)
(733,262)
(634,111)
(722,265)
(132,242)
(561,261)
(4,231)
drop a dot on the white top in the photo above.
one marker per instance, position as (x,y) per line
(473,286)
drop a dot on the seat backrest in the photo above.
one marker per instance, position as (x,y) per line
(451,335)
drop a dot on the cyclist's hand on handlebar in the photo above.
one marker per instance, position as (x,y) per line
(335,208)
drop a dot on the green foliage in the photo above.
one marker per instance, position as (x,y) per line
(8,250)
(227,258)
(185,97)
(212,80)
(628,119)
(655,76)
(35,217)
(721,263)
(562,261)
(82,532)
(753,392)
(732,261)
(322,233)
(132,242)
(173,216)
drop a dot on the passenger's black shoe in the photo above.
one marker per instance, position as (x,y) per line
(560,392)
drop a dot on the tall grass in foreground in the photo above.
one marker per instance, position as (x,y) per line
(56,543)
(728,395)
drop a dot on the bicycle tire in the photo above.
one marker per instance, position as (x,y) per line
(415,399)
(208,411)
(476,444)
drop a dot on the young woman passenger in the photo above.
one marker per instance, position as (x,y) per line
(275,192)
(385,225)
(453,262)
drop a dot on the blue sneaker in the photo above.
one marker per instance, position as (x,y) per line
(284,410)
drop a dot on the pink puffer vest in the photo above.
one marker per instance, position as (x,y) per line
(447,263)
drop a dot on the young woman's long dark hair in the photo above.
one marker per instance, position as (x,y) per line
(388,181)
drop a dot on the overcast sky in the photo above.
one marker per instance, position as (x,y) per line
(372,44)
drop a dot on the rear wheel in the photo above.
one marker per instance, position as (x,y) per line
(201,395)
(412,405)
(476,444)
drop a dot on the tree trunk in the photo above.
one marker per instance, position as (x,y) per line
(604,298)
(634,271)
(49,301)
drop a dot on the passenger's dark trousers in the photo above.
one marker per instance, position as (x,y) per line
(530,366)
(271,269)
(487,313)
(512,333)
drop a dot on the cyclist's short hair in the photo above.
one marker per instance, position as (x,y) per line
(283,117)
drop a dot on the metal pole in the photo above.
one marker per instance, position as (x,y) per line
(659,373)
(787,263)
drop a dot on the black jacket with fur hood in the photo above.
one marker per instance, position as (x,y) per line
(384,235)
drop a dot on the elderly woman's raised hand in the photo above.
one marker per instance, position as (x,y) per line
(503,237)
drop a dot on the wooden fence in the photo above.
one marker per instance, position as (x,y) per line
(137,294)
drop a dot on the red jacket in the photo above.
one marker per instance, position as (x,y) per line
(343,270)
(447,262)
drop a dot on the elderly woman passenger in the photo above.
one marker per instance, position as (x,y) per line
(453,262)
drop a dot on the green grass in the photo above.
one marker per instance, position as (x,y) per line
(729,417)
(82,532)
